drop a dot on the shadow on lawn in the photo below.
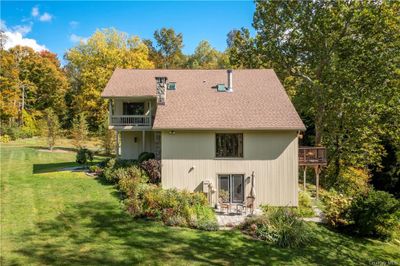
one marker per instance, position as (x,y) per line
(94,233)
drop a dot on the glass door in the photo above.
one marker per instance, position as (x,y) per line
(237,188)
(231,188)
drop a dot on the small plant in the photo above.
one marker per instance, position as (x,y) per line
(305,205)
(223,195)
(83,156)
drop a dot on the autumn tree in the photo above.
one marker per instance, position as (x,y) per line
(90,65)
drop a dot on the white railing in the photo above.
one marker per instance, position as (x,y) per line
(131,120)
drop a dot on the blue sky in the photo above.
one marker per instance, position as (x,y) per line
(58,26)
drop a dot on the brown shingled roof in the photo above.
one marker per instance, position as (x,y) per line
(258,100)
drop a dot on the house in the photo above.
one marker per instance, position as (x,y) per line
(211,129)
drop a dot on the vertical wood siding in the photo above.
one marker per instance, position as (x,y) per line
(188,158)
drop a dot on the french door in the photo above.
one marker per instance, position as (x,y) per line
(231,188)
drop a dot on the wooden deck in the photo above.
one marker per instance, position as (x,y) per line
(310,156)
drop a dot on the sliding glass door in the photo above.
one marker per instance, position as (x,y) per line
(231,188)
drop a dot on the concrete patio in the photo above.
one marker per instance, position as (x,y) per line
(232,218)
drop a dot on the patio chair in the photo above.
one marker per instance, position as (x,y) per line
(223,205)
(247,204)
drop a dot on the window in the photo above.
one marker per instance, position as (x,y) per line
(229,145)
(133,109)
(231,188)
(171,86)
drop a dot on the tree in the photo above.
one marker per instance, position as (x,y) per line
(207,57)
(339,61)
(168,50)
(90,65)
(79,131)
(52,127)
(108,139)
(242,50)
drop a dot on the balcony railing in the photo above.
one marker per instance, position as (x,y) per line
(131,120)
(312,156)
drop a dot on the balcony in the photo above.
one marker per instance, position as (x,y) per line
(312,156)
(139,121)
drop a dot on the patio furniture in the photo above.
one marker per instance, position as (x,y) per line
(247,204)
(224,205)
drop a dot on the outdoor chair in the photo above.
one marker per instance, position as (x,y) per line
(247,204)
(223,205)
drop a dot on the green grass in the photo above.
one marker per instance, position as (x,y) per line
(68,218)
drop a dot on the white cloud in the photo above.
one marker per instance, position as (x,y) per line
(15,37)
(73,24)
(35,11)
(23,29)
(76,38)
(45,17)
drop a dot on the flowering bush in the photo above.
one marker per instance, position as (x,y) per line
(153,170)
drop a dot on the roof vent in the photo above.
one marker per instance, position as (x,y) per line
(171,86)
(230,82)
(221,88)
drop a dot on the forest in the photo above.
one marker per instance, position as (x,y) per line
(338,61)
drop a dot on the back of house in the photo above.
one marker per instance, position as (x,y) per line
(226,133)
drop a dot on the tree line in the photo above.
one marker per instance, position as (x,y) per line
(339,62)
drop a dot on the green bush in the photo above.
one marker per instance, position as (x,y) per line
(111,165)
(279,226)
(83,156)
(375,214)
(336,208)
(144,156)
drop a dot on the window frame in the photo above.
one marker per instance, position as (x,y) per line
(240,141)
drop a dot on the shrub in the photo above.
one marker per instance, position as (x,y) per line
(153,170)
(305,205)
(111,165)
(279,226)
(336,208)
(108,139)
(5,139)
(144,156)
(95,169)
(83,156)
(375,214)
(352,181)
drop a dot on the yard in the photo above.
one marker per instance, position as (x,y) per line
(67,218)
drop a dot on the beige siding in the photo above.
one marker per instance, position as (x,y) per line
(131,149)
(188,158)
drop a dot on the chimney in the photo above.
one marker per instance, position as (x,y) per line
(230,84)
(161,89)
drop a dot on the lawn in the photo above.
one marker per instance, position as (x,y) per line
(51,217)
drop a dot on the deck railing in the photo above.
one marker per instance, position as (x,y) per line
(312,156)
(131,120)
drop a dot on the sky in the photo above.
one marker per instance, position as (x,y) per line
(58,26)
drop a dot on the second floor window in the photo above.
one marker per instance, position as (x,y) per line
(133,109)
(229,145)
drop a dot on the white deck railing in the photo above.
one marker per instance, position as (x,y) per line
(131,120)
